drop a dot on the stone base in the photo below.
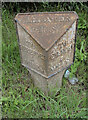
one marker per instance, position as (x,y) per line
(47,85)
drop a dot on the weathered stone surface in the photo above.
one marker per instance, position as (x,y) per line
(61,54)
(47,44)
(46,28)
(32,55)
(47,85)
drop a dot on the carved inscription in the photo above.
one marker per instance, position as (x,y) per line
(45,29)
(47,19)
(37,66)
(61,54)
(40,23)
(33,59)
(27,41)
(47,41)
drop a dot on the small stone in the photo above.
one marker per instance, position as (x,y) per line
(73,80)
(67,73)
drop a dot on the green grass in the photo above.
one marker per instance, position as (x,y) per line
(20,98)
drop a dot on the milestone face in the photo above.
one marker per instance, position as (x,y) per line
(47,40)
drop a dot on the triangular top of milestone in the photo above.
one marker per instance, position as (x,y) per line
(46,27)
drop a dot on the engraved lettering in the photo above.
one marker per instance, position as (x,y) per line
(60,55)
(48,19)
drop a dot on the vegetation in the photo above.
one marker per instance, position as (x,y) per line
(20,99)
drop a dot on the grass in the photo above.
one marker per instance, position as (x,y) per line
(20,98)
